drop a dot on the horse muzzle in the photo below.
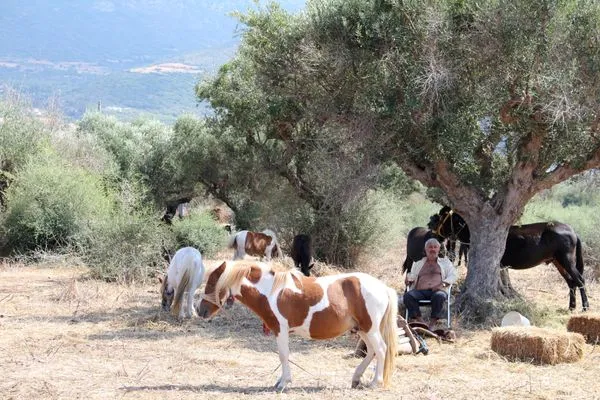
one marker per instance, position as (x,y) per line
(206,309)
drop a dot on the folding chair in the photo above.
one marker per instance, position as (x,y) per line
(427,303)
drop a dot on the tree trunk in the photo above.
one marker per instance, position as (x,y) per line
(483,283)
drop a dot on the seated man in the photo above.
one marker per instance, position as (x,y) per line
(429,279)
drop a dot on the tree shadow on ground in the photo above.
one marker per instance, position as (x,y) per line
(237,323)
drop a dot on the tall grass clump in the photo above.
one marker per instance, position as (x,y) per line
(52,204)
(201,231)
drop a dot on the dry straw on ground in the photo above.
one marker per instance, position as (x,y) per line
(65,336)
(588,325)
(539,345)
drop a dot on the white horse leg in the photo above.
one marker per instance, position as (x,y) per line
(190,303)
(379,348)
(182,308)
(358,372)
(284,353)
(240,248)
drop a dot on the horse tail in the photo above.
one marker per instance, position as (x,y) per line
(388,329)
(579,262)
(407,265)
(180,290)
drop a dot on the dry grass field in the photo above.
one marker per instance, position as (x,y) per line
(63,336)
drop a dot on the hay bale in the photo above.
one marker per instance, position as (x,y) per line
(538,345)
(588,325)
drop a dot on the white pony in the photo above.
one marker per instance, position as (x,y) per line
(184,276)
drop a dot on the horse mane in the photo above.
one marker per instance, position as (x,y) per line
(234,273)
(164,284)
(286,278)
(231,276)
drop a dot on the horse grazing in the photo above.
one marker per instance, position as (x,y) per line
(316,308)
(302,253)
(259,244)
(184,276)
(527,246)
(415,246)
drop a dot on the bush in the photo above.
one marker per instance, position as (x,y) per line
(20,134)
(52,204)
(201,231)
(127,247)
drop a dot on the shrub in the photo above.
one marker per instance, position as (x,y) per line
(199,230)
(20,134)
(127,247)
(52,204)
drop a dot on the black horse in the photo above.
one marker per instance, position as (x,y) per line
(527,246)
(415,245)
(302,253)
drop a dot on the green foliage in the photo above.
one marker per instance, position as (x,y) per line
(141,149)
(393,178)
(127,247)
(200,230)
(52,204)
(20,134)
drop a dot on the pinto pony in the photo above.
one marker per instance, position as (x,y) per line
(315,308)
(184,276)
(258,244)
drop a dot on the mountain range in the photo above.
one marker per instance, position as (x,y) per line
(125,56)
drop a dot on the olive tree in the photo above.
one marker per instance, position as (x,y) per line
(489,101)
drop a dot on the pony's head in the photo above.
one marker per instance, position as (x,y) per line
(217,291)
(442,222)
(166,294)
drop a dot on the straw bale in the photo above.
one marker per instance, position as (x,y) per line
(588,325)
(537,345)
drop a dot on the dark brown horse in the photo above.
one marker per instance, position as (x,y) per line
(527,246)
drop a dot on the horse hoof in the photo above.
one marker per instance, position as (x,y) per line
(355,384)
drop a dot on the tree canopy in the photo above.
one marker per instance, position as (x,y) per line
(490,101)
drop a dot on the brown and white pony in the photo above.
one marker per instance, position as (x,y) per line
(258,244)
(315,308)
(184,276)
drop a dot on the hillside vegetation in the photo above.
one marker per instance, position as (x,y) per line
(97,190)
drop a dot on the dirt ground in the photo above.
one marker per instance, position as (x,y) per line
(63,336)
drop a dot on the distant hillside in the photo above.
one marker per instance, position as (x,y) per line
(104,31)
(90,51)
